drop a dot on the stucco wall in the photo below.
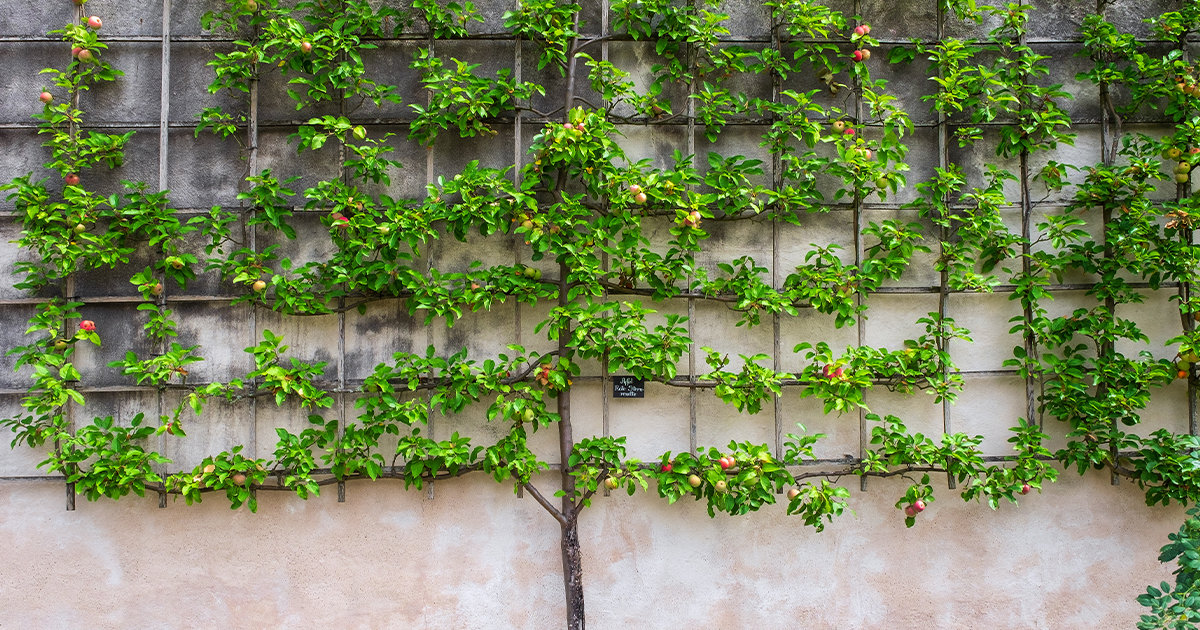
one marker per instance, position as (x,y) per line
(470,554)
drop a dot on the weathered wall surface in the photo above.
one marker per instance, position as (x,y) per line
(472,555)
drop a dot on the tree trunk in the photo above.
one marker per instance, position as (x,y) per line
(572,561)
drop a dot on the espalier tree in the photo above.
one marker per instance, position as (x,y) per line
(609,238)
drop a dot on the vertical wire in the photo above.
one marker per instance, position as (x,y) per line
(860,321)
(690,108)
(944,235)
(163,130)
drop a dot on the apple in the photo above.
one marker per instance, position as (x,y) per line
(868,154)
(1026,488)
(75,50)
(866,54)
(667,467)
(1181,178)
(579,127)
(695,481)
(175,262)
(860,30)
(849,131)
(792,493)
(259,286)
(839,372)
(909,511)
(726,463)
(857,55)
(918,506)
(640,197)
(85,55)
(80,228)
(251,5)
(867,27)
(533,273)
(306,47)
(46,97)
(568,126)
(71,179)
(839,126)
(692,219)
(1173,153)
(60,344)
(87,325)
(527,415)
(1190,356)
(721,486)
(156,289)
(1183,167)
(1194,151)
(94,23)
(611,483)
(634,189)
(1181,374)
(239,478)
(360,133)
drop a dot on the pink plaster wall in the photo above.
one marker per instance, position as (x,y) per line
(475,556)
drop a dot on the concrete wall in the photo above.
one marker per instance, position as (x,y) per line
(470,554)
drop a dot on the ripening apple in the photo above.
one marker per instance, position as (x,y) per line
(909,511)
(695,481)
(640,197)
(71,179)
(46,97)
(667,467)
(306,47)
(1026,488)
(1181,178)
(157,289)
(1173,153)
(857,55)
(611,483)
(839,126)
(860,30)
(721,486)
(792,493)
(634,189)
(75,50)
(866,54)
(84,55)
(239,478)
(259,286)
(94,23)
(918,506)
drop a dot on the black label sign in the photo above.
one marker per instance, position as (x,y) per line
(629,387)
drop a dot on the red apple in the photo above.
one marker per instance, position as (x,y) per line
(849,131)
(860,30)
(640,197)
(94,23)
(918,506)
(46,97)
(1026,489)
(857,55)
(634,189)
(71,179)
(87,325)
(85,55)
(238,478)
(839,372)
(75,50)
(909,511)
(667,467)
(306,47)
